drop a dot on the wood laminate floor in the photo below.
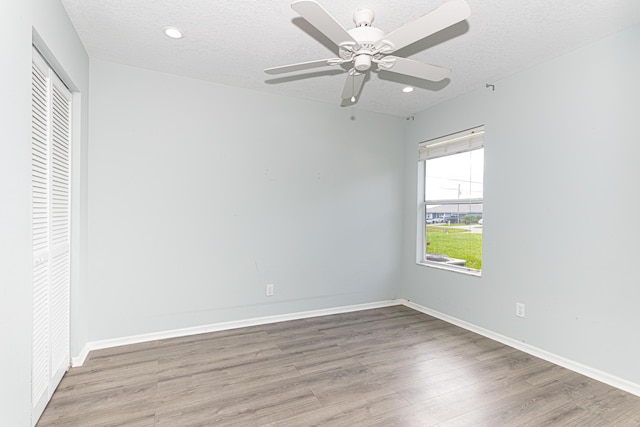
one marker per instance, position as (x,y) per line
(392,366)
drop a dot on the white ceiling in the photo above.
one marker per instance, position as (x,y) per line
(232,41)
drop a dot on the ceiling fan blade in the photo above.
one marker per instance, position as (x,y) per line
(320,18)
(353,85)
(303,66)
(418,69)
(449,13)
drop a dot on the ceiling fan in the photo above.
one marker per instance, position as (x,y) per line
(366,45)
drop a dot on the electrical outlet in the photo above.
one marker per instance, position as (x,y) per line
(268,290)
(519,309)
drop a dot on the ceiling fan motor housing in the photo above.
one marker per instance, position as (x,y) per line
(366,37)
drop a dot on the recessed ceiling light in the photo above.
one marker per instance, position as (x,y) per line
(173,32)
(407,89)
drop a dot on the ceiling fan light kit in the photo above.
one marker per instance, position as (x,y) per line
(364,45)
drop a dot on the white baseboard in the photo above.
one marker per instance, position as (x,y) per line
(596,374)
(587,371)
(79,359)
(174,333)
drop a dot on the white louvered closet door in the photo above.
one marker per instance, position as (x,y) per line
(51,230)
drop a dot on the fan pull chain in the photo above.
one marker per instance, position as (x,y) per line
(353,86)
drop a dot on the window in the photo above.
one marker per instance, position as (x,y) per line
(451,175)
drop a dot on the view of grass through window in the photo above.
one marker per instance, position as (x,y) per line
(456,242)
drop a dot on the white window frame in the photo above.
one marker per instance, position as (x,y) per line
(459,142)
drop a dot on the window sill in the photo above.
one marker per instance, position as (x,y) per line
(463,270)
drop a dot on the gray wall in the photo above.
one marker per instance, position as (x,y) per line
(17,20)
(200,194)
(561,204)
(15,226)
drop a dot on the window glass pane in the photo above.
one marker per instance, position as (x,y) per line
(454,234)
(459,176)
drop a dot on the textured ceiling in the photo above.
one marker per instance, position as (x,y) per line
(232,41)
